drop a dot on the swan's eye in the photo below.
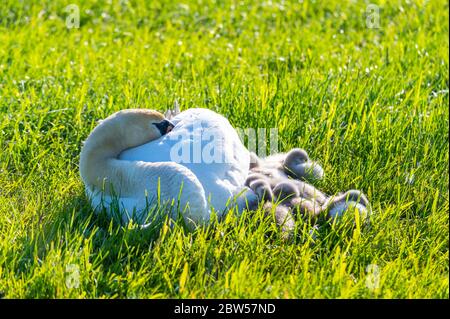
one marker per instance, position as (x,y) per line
(164,126)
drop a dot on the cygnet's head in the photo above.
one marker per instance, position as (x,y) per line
(298,165)
(285,191)
(262,189)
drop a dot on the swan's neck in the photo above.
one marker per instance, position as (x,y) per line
(103,146)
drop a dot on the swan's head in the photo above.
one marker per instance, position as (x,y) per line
(134,127)
(122,130)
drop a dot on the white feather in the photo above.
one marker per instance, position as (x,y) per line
(196,132)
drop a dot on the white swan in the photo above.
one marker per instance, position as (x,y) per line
(129,157)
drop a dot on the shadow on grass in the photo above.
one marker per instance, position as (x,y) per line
(115,248)
(75,224)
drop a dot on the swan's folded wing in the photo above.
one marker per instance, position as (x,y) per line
(145,183)
(208,146)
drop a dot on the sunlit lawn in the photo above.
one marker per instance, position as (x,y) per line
(369,103)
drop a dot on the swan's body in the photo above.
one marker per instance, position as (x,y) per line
(203,155)
(205,143)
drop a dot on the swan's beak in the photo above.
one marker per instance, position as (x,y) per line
(164,126)
(169,127)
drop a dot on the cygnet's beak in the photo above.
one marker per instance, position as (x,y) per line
(164,126)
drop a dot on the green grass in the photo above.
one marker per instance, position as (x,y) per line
(369,104)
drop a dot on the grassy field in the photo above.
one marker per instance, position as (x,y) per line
(368,100)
